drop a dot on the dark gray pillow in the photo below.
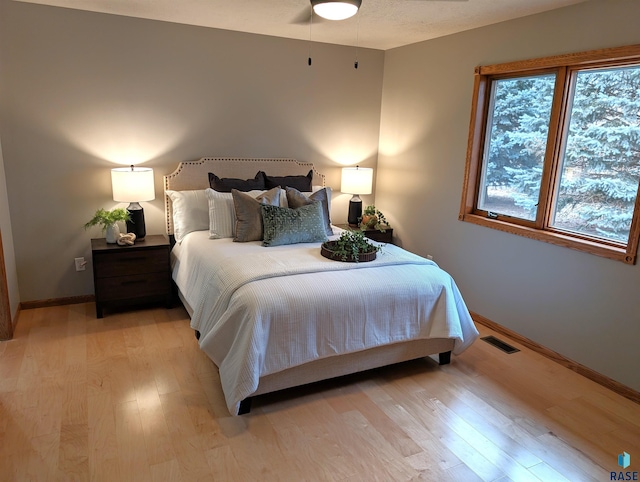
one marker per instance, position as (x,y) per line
(248,214)
(291,226)
(301,183)
(226,184)
(295,199)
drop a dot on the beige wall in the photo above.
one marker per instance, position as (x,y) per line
(7,246)
(81,91)
(585,307)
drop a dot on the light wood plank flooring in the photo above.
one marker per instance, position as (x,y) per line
(131,397)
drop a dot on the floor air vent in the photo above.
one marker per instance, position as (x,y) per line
(505,347)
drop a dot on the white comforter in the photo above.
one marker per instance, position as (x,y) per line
(261,310)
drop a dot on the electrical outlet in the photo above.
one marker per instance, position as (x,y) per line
(81,264)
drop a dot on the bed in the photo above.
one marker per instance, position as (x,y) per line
(279,316)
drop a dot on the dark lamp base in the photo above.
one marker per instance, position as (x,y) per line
(355,211)
(136,224)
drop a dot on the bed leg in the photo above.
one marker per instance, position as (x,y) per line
(197,333)
(245,406)
(444,358)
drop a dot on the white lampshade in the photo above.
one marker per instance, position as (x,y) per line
(357,180)
(336,9)
(132,184)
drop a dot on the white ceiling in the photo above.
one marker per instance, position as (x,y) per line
(380,24)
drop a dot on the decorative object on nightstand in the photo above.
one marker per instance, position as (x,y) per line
(133,185)
(109,222)
(372,218)
(126,275)
(356,181)
(373,225)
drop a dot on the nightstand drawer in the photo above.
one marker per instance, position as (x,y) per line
(129,263)
(133,286)
(372,233)
(382,237)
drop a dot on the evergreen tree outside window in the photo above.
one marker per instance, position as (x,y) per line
(518,132)
(601,159)
(554,151)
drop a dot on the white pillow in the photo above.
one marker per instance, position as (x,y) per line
(222,214)
(190,212)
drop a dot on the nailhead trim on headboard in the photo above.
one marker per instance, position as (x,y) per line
(190,175)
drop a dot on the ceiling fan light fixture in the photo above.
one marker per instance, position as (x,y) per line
(336,9)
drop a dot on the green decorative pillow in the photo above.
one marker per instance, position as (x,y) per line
(290,226)
(296,199)
(248,214)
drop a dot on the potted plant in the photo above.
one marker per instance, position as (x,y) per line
(373,219)
(109,222)
(351,246)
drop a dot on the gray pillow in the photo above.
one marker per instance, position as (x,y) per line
(290,226)
(296,199)
(248,214)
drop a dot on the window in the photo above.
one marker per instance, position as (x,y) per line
(554,151)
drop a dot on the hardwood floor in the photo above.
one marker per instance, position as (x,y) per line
(131,397)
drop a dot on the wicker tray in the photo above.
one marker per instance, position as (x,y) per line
(362,257)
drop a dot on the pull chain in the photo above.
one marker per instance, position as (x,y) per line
(310,25)
(355,64)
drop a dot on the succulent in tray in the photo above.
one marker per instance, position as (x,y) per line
(351,246)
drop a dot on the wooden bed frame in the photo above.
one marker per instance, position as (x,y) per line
(194,175)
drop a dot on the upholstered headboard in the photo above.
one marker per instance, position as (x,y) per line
(191,175)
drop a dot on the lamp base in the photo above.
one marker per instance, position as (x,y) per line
(136,224)
(355,211)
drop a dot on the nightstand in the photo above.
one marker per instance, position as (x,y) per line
(374,234)
(125,275)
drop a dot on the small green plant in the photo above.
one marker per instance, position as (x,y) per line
(350,246)
(106,218)
(372,218)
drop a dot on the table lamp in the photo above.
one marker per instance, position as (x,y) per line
(133,185)
(356,181)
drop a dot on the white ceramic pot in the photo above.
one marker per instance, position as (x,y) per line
(112,233)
